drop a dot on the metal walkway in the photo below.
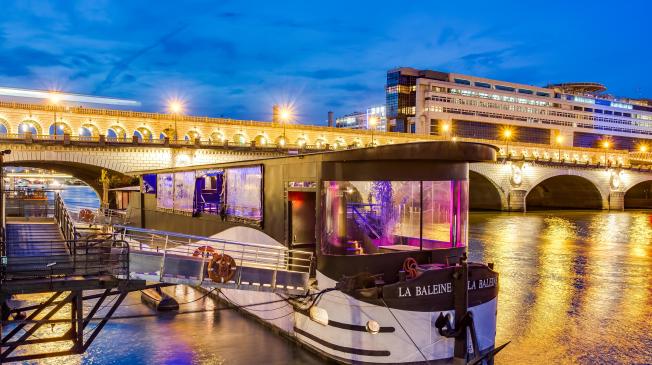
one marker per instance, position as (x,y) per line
(25,238)
(176,258)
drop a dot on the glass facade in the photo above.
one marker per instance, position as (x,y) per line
(400,99)
(372,217)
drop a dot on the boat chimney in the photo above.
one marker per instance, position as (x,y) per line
(330,119)
(275,114)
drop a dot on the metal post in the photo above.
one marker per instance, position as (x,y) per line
(165,249)
(460,290)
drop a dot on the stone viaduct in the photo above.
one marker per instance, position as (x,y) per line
(85,140)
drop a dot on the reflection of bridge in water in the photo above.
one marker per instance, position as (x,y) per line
(83,141)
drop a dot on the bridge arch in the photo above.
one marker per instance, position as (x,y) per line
(484,193)
(88,130)
(567,191)
(167,132)
(89,172)
(339,143)
(639,195)
(61,128)
(29,125)
(217,136)
(240,139)
(4,126)
(321,142)
(116,132)
(192,135)
(261,140)
(301,141)
(143,134)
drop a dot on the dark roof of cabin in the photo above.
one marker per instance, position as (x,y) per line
(413,151)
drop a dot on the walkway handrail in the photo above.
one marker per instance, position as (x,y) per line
(172,244)
(64,220)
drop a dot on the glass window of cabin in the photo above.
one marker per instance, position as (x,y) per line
(164,188)
(244,193)
(208,192)
(184,189)
(372,217)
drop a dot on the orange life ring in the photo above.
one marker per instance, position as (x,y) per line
(86,215)
(221,268)
(203,251)
(410,267)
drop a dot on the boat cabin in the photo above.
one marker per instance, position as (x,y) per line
(395,200)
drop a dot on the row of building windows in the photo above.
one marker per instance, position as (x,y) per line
(502,88)
(510,99)
(543,121)
(576,98)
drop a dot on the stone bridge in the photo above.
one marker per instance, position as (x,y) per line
(527,185)
(82,141)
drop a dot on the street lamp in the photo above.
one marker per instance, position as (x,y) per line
(55,99)
(559,139)
(507,134)
(372,125)
(642,148)
(605,145)
(286,116)
(175,107)
(445,128)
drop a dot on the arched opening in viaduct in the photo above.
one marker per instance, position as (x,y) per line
(639,196)
(564,192)
(89,174)
(483,194)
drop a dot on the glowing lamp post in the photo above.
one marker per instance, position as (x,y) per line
(559,139)
(286,116)
(55,99)
(175,107)
(372,125)
(642,148)
(605,145)
(507,134)
(445,128)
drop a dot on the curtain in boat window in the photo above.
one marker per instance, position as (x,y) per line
(184,190)
(244,192)
(164,198)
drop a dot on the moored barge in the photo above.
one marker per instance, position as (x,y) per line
(386,228)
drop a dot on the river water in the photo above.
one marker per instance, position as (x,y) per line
(575,288)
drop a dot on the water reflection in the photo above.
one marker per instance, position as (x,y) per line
(575,286)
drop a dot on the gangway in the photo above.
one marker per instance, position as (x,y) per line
(176,258)
(50,255)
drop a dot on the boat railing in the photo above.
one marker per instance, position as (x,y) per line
(55,258)
(177,249)
(64,219)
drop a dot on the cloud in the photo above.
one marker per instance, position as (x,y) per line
(20,61)
(124,63)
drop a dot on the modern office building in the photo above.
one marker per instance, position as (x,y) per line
(374,118)
(570,114)
(377,118)
(355,120)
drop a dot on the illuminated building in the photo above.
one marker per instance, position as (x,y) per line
(438,103)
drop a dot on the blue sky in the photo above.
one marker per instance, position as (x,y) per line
(237,58)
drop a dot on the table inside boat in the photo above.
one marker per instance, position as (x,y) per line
(394,248)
